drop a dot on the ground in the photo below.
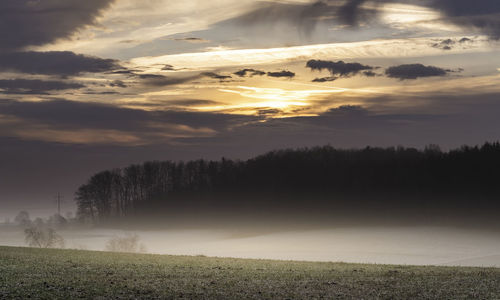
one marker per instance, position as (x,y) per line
(69,274)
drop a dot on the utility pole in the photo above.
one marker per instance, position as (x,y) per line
(59,200)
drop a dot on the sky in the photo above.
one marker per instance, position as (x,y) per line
(99,84)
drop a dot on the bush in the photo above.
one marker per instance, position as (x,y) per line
(43,237)
(129,243)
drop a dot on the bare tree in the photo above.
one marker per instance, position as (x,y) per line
(42,237)
(129,243)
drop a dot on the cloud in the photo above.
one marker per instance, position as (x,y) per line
(215,76)
(339,68)
(168,68)
(35,86)
(444,44)
(483,15)
(242,58)
(193,102)
(449,44)
(118,83)
(325,79)
(414,71)
(193,40)
(94,123)
(124,72)
(370,74)
(33,23)
(249,72)
(83,115)
(155,80)
(62,63)
(304,16)
(283,73)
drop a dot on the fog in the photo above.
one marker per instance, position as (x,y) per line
(414,245)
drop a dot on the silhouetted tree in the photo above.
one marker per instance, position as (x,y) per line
(322,177)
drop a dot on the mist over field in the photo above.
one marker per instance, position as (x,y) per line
(412,245)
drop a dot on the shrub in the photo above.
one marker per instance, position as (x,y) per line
(129,243)
(43,237)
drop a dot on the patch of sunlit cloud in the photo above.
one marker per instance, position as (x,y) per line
(278,95)
(404,13)
(405,16)
(395,48)
(129,23)
(83,136)
(180,130)
(176,92)
(150,133)
(286,101)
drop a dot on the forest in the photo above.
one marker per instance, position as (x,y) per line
(308,180)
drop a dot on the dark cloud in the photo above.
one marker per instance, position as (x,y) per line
(444,44)
(414,71)
(483,15)
(27,86)
(124,72)
(325,79)
(168,68)
(249,72)
(128,41)
(155,80)
(62,63)
(448,44)
(70,115)
(215,76)
(34,23)
(370,74)
(305,17)
(26,23)
(339,68)
(194,40)
(351,12)
(93,92)
(283,73)
(268,112)
(118,83)
(194,102)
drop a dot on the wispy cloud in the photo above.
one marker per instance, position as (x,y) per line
(395,48)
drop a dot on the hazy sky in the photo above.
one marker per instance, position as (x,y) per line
(96,84)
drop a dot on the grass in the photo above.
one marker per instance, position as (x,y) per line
(69,274)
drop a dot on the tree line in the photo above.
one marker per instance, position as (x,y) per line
(293,179)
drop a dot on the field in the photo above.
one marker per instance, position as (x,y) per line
(68,274)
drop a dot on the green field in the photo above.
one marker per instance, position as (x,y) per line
(68,274)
